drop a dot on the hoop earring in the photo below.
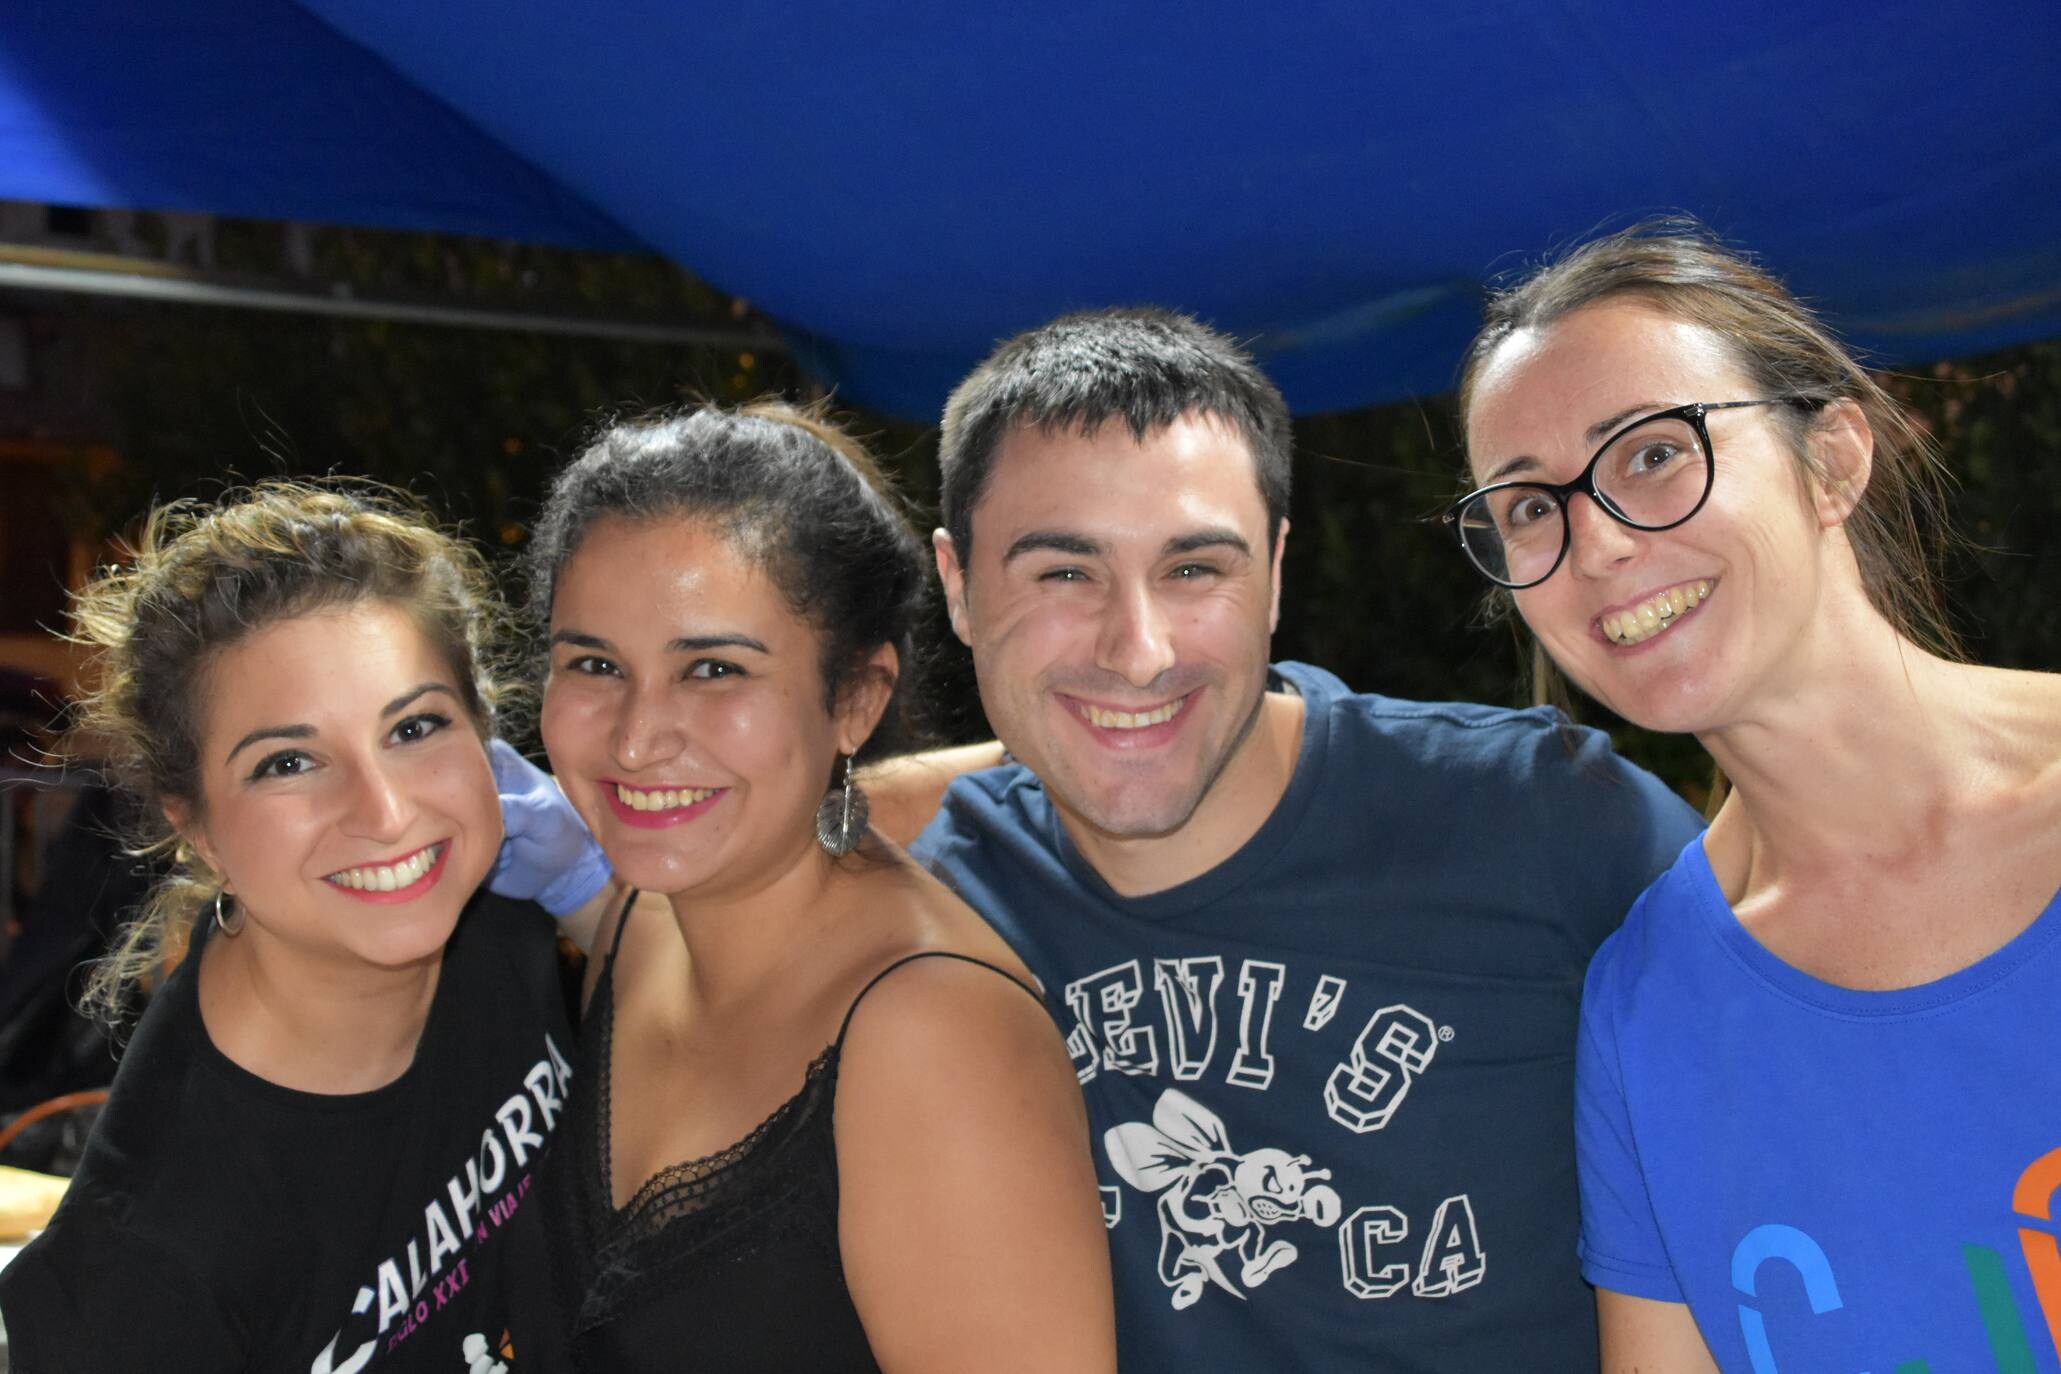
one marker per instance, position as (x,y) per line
(841,819)
(230,928)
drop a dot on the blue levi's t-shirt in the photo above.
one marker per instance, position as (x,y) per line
(1330,1081)
(1833,1180)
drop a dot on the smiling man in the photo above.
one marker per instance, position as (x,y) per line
(1317,954)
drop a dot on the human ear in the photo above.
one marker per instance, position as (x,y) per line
(952,576)
(181,817)
(1274,573)
(864,697)
(1843,452)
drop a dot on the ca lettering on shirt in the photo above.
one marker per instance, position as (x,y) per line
(478,1198)
(1233,1213)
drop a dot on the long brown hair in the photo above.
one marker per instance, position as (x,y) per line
(1897,530)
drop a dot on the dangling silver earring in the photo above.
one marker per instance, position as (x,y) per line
(230,928)
(841,819)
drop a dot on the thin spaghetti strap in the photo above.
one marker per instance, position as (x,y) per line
(928,954)
(622,920)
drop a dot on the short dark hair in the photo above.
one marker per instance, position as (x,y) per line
(1147,365)
(793,492)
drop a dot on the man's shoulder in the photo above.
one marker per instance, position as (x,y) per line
(1449,734)
(1530,768)
(985,805)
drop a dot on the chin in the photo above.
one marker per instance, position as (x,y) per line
(1139,813)
(663,874)
(1671,708)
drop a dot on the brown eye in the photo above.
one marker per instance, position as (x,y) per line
(287,763)
(1650,458)
(418,727)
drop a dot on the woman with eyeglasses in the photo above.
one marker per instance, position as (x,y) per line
(1819,1079)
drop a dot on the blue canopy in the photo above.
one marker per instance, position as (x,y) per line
(900,186)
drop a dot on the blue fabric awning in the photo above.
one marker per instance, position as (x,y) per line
(900,187)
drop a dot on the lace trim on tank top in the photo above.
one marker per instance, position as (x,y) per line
(777,1183)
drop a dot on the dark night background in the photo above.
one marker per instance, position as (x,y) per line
(186,399)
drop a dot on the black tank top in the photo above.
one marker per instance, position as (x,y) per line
(729,1262)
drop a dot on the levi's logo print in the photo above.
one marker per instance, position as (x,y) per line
(402,1297)
(1774,1254)
(1231,1213)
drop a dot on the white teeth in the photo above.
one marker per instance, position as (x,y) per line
(389,877)
(663,799)
(1654,615)
(1128,720)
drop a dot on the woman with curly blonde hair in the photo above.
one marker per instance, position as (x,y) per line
(317,1147)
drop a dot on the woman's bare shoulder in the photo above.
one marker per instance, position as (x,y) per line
(928,916)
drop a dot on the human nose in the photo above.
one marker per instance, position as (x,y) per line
(1137,639)
(1599,543)
(645,731)
(379,807)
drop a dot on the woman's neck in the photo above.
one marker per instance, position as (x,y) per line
(1877,753)
(742,937)
(313,1024)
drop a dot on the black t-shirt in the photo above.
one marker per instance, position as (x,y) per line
(222,1222)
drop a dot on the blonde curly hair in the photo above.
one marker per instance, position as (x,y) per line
(199,579)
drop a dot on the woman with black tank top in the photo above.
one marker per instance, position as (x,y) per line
(826,1125)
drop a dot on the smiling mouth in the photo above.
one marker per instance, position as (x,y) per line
(1105,719)
(1656,615)
(661,798)
(402,873)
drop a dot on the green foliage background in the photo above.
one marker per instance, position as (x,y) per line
(476,422)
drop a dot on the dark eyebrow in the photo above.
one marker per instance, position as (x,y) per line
(270,732)
(690,644)
(1610,424)
(686,644)
(1053,541)
(1218,538)
(402,701)
(1595,434)
(398,704)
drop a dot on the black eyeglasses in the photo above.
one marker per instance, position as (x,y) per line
(1653,474)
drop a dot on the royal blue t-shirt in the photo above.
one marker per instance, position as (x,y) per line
(1831,1179)
(1330,1081)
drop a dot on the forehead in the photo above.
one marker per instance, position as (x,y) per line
(1197,470)
(1543,388)
(667,570)
(330,663)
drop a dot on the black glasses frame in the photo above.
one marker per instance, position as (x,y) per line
(1563,492)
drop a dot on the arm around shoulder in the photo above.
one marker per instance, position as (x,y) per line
(905,792)
(969,1219)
